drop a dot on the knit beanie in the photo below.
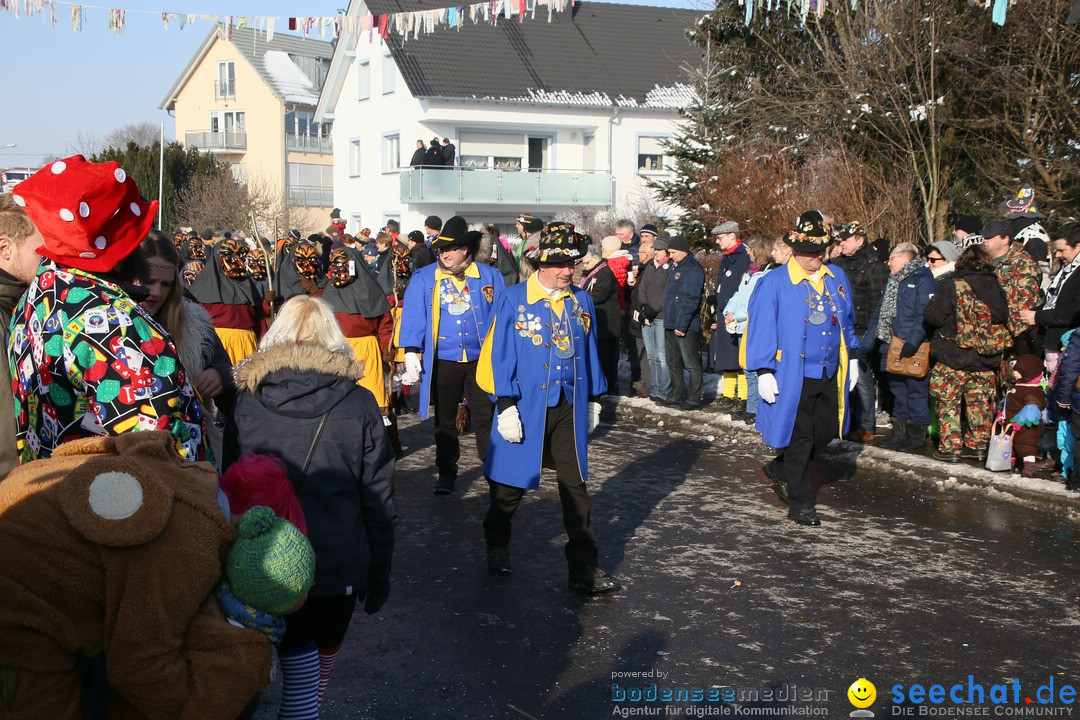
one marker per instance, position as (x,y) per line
(261,479)
(271,566)
(1030,367)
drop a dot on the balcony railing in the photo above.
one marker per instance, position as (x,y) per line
(308,144)
(311,196)
(547,187)
(216,141)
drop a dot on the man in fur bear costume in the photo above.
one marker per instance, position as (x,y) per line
(114,546)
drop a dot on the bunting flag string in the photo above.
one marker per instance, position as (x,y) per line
(405,24)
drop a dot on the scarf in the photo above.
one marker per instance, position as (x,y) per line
(584,284)
(1058,282)
(237,613)
(888,300)
(733,248)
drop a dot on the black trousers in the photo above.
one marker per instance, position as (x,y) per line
(582,549)
(450,382)
(322,619)
(816,424)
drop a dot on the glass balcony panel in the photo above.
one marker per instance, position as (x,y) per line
(592,189)
(480,186)
(519,188)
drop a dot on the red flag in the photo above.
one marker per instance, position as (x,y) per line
(384,22)
(292,23)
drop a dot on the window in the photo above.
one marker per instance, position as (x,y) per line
(391,156)
(227,121)
(363,80)
(225,85)
(492,150)
(651,154)
(354,157)
(239,173)
(309,185)
(389,74)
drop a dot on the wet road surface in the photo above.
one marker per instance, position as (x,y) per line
(902,584)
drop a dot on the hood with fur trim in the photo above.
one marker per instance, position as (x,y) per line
(256,370)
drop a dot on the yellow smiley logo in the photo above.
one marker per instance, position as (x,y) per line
(862,693)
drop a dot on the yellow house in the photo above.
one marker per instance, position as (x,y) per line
(250,102)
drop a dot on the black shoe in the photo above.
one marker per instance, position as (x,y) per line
(806,516)
(740,407)
(591,580)
(445,485)
(666,402)
(947,456)
(972,454)
(779,485)
(898,437)
(748,417)
(498,559)
(724,405)
(687,405)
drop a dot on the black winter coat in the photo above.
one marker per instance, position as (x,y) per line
(723,346)
(940,317)
(417,157)
(604,289)
(348,491)
(1064,316)
(867,275)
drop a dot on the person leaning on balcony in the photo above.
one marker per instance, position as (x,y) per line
(449,152)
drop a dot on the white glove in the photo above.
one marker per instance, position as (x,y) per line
(510,424)
(853,373)
(413,369)
(594,416)
(766,387)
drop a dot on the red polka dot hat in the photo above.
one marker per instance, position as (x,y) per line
(90,214)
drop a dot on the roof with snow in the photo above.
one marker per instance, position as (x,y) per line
(597,54)
(294,68)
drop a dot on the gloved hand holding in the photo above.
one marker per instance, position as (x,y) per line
(864,353)
(908,350)
(853,373)
(594,416)
(766,387)
(510,424)
(413,369)
(1029,416)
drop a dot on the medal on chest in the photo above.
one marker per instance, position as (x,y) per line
(561,338)
(457,302)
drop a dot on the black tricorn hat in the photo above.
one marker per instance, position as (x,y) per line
(455,233)
(558,243)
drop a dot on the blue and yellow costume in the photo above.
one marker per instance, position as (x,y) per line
(787,335)
(539,349)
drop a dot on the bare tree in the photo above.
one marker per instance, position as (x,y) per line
(224,203)
(143,134)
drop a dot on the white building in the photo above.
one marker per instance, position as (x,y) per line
(545,115)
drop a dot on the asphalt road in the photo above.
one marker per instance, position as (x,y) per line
(904,583)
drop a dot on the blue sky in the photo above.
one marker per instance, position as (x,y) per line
(64,88)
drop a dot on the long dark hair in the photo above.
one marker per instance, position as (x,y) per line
(974,259)
(159,246)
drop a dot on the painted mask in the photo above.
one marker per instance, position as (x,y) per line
(339,273)
(402,264)
(196,249)
(178,240)
(306,260)
(232,254)
(191,270)
(256,264)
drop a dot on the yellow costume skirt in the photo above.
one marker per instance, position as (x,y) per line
(238,343)
(367,350)
(399,354)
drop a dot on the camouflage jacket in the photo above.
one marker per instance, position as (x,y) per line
(1020,280)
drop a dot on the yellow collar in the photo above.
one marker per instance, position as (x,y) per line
(471,271)
(535,292)
(796,274)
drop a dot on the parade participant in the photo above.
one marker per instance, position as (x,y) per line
(300,400)
(85,358)
(541,363)
(446,316)
(256,267)
(193,249)
(724,345)
(800,339)
(299,271)
(191,270)
(363,315)
(231,298)
(19,261)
